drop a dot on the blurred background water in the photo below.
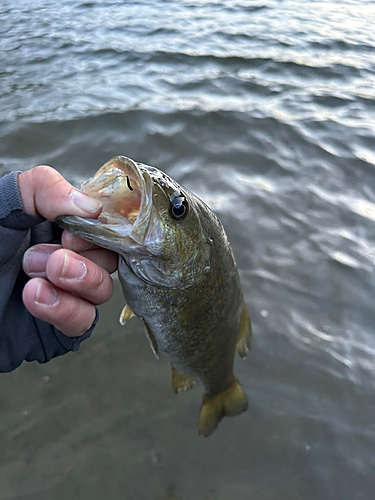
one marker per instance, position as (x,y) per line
(265,109)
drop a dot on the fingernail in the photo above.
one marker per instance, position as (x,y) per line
(46,295)
(73,269)
(84,202)
(35,261)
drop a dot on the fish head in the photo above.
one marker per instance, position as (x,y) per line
(149,219)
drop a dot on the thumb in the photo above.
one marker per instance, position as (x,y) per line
(46,193)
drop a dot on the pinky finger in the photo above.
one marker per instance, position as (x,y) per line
(71,315)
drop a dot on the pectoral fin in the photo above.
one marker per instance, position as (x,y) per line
(228,403)
(126,314)
(181,382)
(244,335)
(151,339)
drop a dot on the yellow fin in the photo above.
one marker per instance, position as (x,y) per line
(126,314)
(151,339)
(230,402)
(244,335)
(181,382)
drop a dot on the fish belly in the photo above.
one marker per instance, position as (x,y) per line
(195,330)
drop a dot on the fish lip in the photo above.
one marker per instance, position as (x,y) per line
(146,189)
(117,240)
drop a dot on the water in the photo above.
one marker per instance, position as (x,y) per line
(266,110)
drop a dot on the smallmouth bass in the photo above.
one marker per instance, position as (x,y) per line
(178,275)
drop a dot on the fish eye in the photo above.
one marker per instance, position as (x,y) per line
(179,208)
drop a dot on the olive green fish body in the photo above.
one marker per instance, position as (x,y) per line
(178,275)
(197,325)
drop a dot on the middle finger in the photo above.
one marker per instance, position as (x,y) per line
(79,276)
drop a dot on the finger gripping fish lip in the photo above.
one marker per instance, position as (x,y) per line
(118,184)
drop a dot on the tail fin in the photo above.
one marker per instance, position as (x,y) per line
(230,403)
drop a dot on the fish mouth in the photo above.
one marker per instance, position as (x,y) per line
(125,191)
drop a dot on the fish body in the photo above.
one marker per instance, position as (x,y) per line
(178,275)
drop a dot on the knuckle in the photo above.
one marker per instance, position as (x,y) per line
(74,311)
(47,178)
(77,315)
(42,169)
(102,285)
(41,172)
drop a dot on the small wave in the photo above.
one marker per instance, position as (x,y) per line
(332,100)
(220,6)
(360,206)
(163,31)
(342,46)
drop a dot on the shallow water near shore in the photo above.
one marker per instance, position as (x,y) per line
(266,111)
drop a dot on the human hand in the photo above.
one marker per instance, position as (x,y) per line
(68,280)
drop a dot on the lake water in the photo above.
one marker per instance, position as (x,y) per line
(265,109)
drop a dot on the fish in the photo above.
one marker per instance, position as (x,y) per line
(178,275)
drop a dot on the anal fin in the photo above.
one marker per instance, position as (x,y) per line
(125,314)
(244,335)
(181,382)
(151,339)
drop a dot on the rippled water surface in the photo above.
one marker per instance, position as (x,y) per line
(265,109)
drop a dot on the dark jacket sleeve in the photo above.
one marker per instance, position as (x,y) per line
(23,337)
